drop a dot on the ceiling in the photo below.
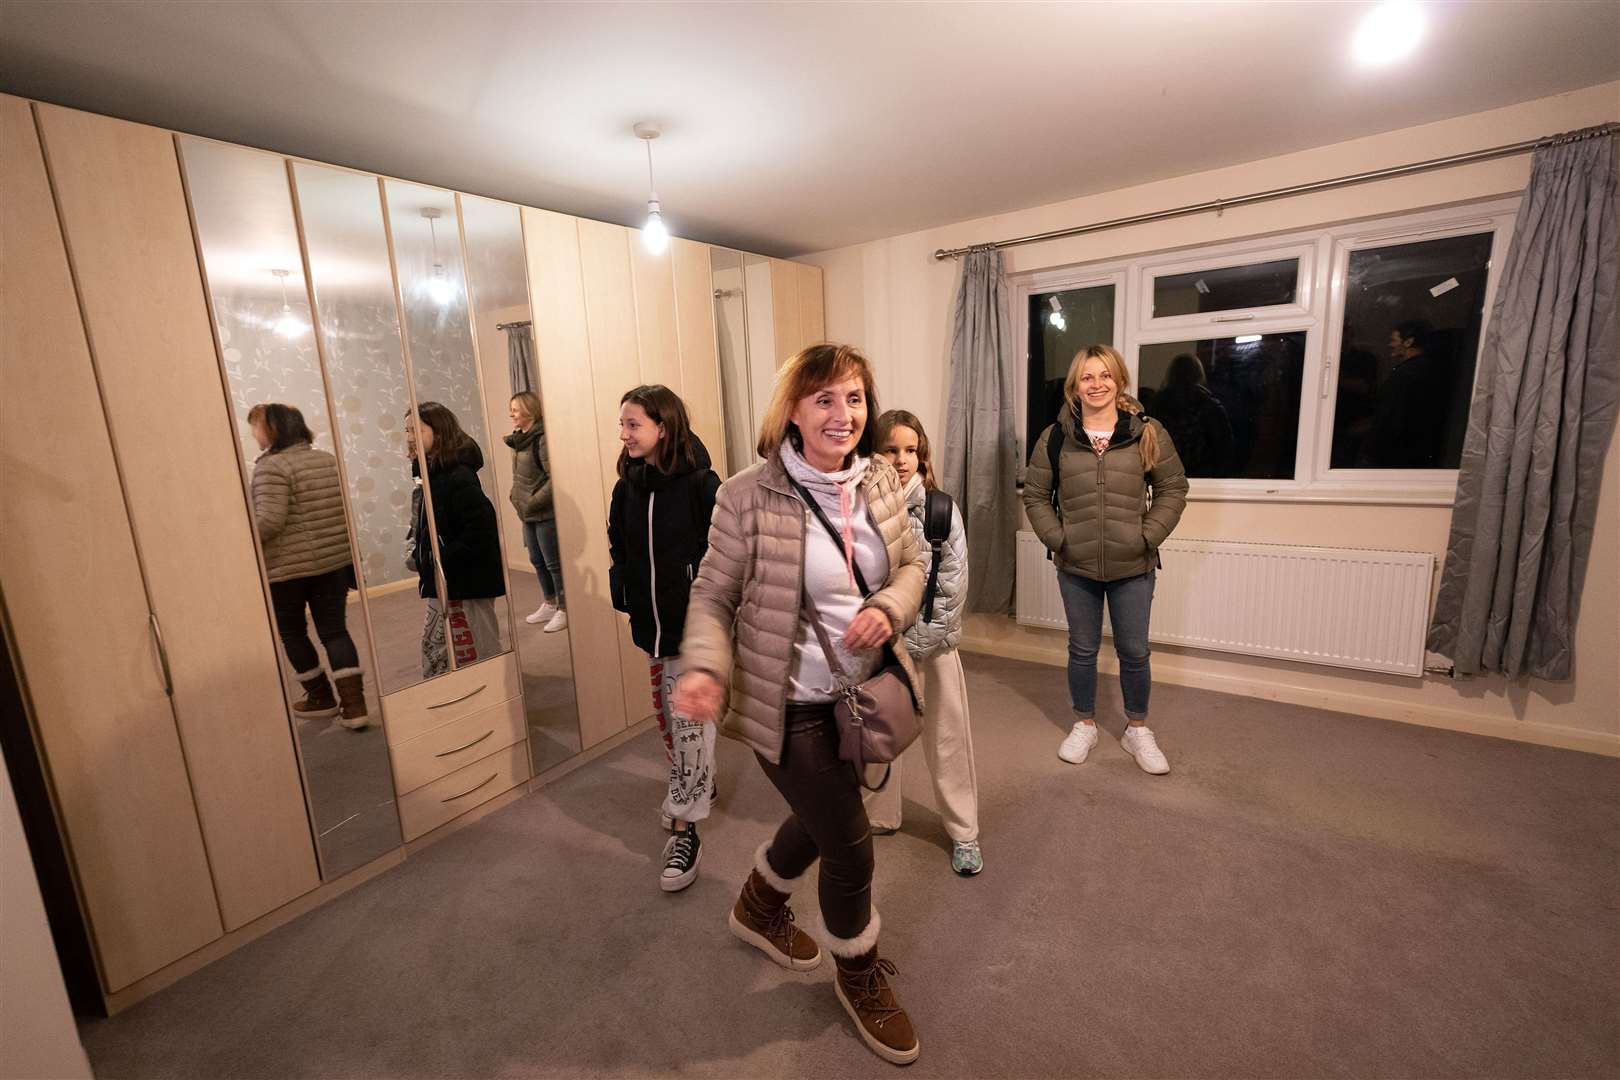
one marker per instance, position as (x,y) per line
(789,127)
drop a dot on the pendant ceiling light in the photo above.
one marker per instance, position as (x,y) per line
(287,325)
(654,235)
(437,286)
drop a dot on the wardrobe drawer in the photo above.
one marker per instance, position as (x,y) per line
(446,749)
(425,809)
(437,702)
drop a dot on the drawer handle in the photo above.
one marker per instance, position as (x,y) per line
(463,697)
(463,746)
(472,789)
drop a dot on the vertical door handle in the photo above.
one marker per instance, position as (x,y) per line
(163,653)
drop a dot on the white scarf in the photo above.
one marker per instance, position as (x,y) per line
(834,491)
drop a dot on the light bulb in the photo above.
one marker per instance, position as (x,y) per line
(1390,32)
(1057,321)
(1247,339)
(654,234)
(288,325)
(438,287)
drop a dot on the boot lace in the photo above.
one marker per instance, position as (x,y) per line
(870,993)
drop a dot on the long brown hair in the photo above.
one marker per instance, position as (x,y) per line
(449,441)
(810,369)
(1115,363)
(677,449)
(284,423)
(900,418)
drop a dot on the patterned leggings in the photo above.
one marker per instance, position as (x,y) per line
(689,745)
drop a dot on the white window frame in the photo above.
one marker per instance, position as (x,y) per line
(1437,486)
(1222,258)
(1324,255)
(1047,281)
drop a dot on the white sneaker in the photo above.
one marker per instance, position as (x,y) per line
(1138,742)
(558,622)
(1078,743)
(543,613)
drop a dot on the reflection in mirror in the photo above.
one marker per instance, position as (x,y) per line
(759,318)
(341,216)
(255,280)
(731,338)
(498,283)
(472,622)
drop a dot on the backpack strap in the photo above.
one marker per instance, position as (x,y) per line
(937,507)
(1054,450)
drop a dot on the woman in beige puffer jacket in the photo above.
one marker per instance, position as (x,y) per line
(747,628)
(298,510)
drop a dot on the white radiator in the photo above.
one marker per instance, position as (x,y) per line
(1346,607)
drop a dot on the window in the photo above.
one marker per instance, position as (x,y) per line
(1231,405)
(1266,284)
(1061,323)
(1271,387)
(1412,319)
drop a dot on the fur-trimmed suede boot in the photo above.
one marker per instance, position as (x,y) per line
(762,918)
(864,991)
(352,701)
(317,700)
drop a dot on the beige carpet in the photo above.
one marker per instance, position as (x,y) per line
(1308,894)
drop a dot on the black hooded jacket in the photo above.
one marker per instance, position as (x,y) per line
(469,536)
(658,533)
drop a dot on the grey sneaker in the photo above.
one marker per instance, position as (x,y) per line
(966,858)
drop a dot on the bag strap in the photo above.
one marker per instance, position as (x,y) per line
(936,530)
(1054,450)
(826,643)
(826,523)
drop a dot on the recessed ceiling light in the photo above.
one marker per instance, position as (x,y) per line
(1389,32)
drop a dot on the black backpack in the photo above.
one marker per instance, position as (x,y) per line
(937,507)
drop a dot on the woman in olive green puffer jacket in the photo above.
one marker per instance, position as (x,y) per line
(1120,491)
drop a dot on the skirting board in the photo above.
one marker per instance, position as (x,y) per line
(1564,738)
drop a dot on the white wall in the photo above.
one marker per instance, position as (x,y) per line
(891,298)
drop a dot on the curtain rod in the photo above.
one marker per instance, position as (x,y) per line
(1219,205)
(512,325)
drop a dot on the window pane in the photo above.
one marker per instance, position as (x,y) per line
(1412,319)
(1256,285)
(1231,405)
(1060,325)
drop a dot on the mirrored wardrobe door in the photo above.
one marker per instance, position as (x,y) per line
(424,230)
(497,278)
(340,214)
(731,340)
(254,272)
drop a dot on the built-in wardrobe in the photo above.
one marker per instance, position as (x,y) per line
(157,288)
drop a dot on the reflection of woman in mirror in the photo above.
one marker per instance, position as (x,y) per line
(1194,417)
(298,509)
(469,544)
(658,533)
(748,630)
(532,499)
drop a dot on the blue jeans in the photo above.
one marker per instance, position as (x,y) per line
(540,537)
(1130,601)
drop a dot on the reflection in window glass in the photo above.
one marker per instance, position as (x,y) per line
(1231,405)
(1230,287)
(1060,325)
(1412,318)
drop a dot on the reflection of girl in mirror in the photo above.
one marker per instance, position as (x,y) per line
(298,510)
(532,499)
(469,544)
(658,532)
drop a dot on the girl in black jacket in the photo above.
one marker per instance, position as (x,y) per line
(469,544)
(658,532)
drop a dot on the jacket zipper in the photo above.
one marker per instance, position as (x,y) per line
(652,565)
(1102,520)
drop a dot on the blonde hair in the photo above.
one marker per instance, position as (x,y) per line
(900,418)
(1115,363)
(810,369)
(529,402)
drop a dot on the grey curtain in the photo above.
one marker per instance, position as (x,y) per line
(981,459)
(520,358)
(1543,412)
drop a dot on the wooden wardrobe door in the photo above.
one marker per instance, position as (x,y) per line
(786,323)
(812,312)
(77,608)
(562,349)
(128,234)
(700,356)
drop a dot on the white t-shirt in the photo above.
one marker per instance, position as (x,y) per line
(826,578)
